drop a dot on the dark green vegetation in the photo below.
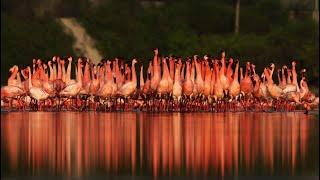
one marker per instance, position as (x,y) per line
(129,29)
(184,28)
(23,39)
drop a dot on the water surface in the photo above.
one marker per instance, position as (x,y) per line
(159,144)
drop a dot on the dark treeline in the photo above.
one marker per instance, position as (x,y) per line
(270,30)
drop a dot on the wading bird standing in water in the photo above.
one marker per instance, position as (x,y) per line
(199,84)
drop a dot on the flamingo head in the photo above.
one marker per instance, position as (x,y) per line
(80,61)
(70,59)
(134,61)
(156,50)
(303,70)
(293,63)
(230,61)
(14,68)
(195,57)
(205,57)
(272,65)
(284,67)
(223,54)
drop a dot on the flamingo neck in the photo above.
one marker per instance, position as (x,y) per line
(63,73)
(192,72)
(283,77)
(241,74)
(51,72)
(177,73)
(68,77)
(236,72)
(141,77)
(14,74)
(59,70)
(29,75)
(188,73)
(207,73)
(182,73)
(133,71)
(198,69)
(294,75)
(171,66)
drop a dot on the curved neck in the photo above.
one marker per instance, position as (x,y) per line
(54,72)
(289,78)
(171,66)
(223,67)
(141,77)
(192,72)
(236,72)
(109,73)
(294,75)
(59,70)
(51,72)
(182,72)
(203,70)
(207,73)
(29,75)
(86,76)
(188,73)
(283,77)
(79,75)
(13,75)
(177,73)
(241,74)
(229,70)
(198,69)
(63,73)
(279,79)
(133,71)
(213,76)
(68,78)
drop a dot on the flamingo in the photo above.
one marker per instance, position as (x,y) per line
(129,88)
(163,87)
(35,92)
(141,78)
(177,88)
(155,80)
(73,89)
(218,87)
(246,84)
(198,84)
(187,86)
(207,78)
(234,88)
(274,90)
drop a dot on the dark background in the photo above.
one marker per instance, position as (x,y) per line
(275,31)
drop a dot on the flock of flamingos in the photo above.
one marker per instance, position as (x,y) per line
(199,84)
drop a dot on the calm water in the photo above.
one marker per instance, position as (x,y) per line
(157,145)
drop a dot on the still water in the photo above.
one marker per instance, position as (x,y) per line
(159,144)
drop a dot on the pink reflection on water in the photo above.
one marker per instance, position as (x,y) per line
(157,144)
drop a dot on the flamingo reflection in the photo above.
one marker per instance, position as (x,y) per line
(171,144)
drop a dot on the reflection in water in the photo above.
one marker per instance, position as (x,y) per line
(197,144)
